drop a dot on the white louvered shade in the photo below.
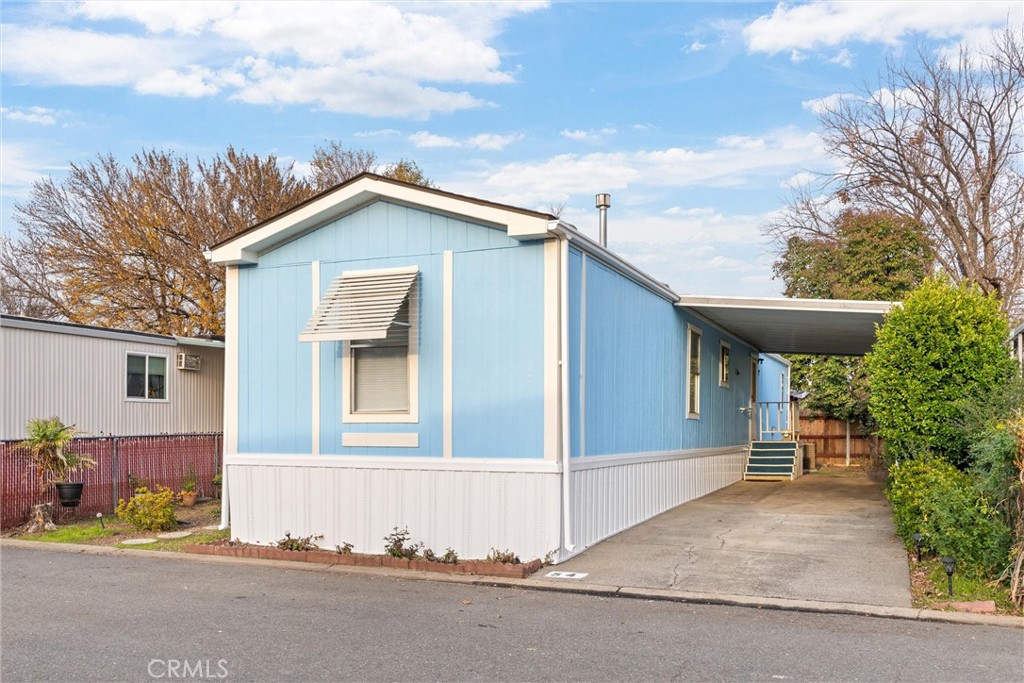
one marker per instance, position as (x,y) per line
(360,304)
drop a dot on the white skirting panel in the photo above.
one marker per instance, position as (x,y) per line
(469,511)
(610,494)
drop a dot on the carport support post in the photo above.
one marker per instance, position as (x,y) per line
(847,443)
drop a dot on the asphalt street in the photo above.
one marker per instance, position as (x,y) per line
(76,617)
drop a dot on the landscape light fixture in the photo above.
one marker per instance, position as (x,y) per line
(918,542)
(99,516)
(949,564)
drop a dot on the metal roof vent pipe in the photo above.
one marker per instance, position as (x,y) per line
(603,201)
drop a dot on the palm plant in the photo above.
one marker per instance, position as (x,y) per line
(47,442)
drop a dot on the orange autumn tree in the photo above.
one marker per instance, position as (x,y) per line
(121,244)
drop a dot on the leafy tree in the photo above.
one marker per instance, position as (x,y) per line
(945,342)
(859,255)
(121,245)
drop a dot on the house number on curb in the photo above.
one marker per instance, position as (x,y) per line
(565,575)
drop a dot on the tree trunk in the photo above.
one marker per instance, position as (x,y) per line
(40,519)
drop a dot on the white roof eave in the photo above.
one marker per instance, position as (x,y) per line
(246,248)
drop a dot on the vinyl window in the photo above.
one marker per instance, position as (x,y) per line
(146,376)
(693,372)
(723,365)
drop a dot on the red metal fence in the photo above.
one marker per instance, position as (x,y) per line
(122,463)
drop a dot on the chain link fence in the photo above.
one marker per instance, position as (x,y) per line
(123,463)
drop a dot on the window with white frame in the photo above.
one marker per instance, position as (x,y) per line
(723,365)
(379,370)
(146,377)
(693,372)
(373,313)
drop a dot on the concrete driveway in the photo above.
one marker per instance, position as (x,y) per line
(822,537)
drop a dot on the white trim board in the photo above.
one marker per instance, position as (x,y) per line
(371,462)
(593,462)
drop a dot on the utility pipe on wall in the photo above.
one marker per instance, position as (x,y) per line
(603,201)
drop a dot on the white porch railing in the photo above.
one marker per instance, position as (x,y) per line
(776,421)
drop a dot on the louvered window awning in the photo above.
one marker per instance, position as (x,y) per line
(360,304)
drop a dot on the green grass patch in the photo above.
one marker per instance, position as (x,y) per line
(930,586)
(176,545)
(77,533)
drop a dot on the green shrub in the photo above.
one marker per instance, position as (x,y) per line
(149,510)
(946,341)
(934,498)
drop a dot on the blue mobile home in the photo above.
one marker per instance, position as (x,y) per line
(484,375)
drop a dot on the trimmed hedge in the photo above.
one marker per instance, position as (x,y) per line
(934,498)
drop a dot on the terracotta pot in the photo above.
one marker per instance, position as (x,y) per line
(188,498)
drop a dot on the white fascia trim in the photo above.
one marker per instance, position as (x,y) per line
(615,262)
(594,462)
(777,357)
(783,304)
(192,341)
(529,466)
(246,248)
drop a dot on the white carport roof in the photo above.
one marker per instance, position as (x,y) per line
(822,326)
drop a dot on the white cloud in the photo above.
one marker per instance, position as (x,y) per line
(588,135)
(38,115)
(190,82)
(798,180)
(355,57)
(383,132)
(843,58)
(737,161)
(827,103)
(696,46)
(812,26)
(484,141)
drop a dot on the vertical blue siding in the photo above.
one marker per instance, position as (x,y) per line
(498,369)
(274,381)
(498,316)
(721,422)
(635,363)
(633,397)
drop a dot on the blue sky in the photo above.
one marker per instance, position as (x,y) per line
(696,117)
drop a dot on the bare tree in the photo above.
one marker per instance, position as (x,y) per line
(333,164)
(942,143)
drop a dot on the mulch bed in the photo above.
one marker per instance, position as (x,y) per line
(226,548)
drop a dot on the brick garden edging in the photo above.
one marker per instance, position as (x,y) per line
(225,548)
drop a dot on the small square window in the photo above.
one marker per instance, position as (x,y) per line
(146,377)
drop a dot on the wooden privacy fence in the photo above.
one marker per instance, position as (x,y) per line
(829,436)
(121,463)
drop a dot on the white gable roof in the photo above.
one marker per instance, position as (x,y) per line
(245,247)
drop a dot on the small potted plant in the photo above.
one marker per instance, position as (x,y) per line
(47,447)
(188,488)
(217,480)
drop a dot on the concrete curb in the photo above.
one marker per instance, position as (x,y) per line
(554,585)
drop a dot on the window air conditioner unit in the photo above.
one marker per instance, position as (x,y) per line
(188,361)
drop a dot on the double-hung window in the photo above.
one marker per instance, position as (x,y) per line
(723,364)
(146,377)
(693,372)
(373,314)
